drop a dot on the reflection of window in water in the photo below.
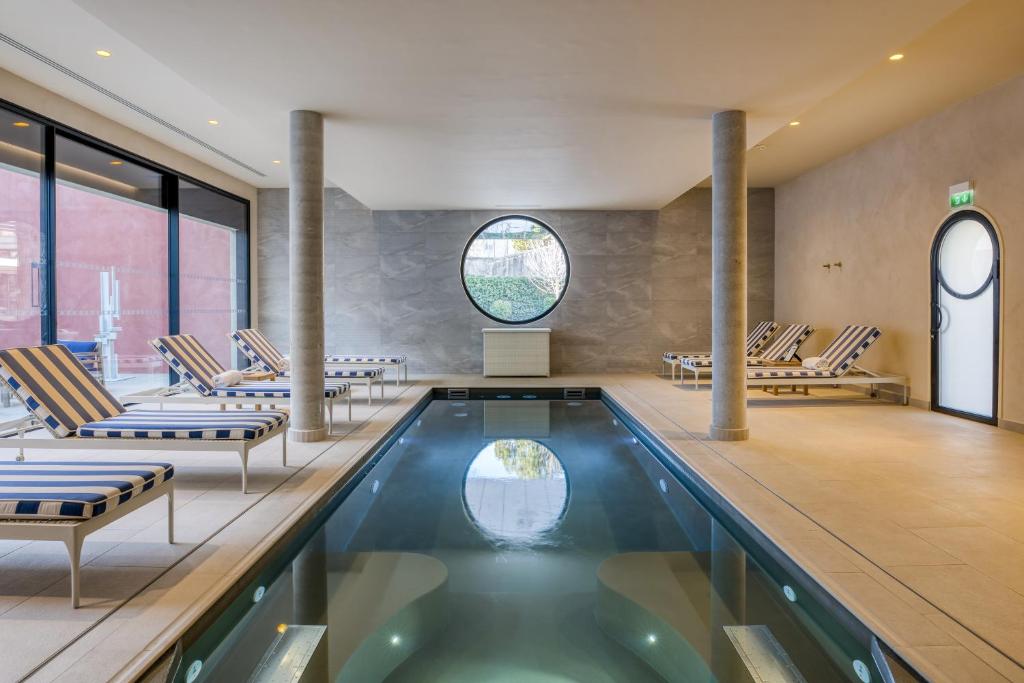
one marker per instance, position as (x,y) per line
(516,490)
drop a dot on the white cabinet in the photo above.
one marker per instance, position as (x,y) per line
(517,352)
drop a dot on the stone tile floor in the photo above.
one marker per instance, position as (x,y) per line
(912,518)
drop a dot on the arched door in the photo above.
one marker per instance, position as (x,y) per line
(965,317)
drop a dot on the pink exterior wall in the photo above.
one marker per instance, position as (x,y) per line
(94,233)
(97,232)
(206,285)
(19,248)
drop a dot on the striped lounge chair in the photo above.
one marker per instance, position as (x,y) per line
(262,353)
(841,357)
(68,401)
(65,501)
(757,338)
(783,349)
(197,368)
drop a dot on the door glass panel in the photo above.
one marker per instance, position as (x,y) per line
(966,333)
(21,161)
(965,356)
(965,258)
(213,267)
(111,264)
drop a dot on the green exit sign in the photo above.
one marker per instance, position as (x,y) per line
(961,195)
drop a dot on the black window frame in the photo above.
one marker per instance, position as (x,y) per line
(499,219)
(170,181)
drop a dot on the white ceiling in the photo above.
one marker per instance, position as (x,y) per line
(471,103)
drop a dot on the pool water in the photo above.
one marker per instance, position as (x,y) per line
(529,541)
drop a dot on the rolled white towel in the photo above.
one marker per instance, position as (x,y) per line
(285,365)
(815,363)
(227,379)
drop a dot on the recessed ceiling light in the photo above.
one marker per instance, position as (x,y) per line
(794,123)
(896,57)
(103,53)
(276,161)
(21,124)
(116,162)
(213,122)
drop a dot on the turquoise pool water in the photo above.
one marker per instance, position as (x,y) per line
(526,541)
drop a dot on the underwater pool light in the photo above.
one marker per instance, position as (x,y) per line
(193,671)
(375,486)
(862,671)
(663,485)
(259,593)
(461,414)
(635,440)
(396,640)
(652,639)
(789,593)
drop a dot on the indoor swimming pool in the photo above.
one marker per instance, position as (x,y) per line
(527,540)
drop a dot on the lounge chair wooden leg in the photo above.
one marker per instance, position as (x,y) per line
(806,390)
(775,390)
(73,542)
(170,513)
(245,471)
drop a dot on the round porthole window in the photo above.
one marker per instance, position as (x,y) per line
(515,269)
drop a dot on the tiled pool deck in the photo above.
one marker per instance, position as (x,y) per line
(913,519)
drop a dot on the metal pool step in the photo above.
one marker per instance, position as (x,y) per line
(765,659)
(297,655)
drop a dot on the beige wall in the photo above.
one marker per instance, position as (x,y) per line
(877,210)
(47,103)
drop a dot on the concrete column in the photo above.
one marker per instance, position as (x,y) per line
(729,276)
(728,602)
(306,278)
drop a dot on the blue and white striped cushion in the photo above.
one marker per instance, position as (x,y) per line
(760,335)
(258,349)
(695,362)
(704,362)
(350,373)
(786,343)
(850,345)
(273,390)
(787,373)
(186,424)
(391,360)
(55,386)
(73,490)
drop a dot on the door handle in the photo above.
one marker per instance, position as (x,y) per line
(937,318)
(34,284)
